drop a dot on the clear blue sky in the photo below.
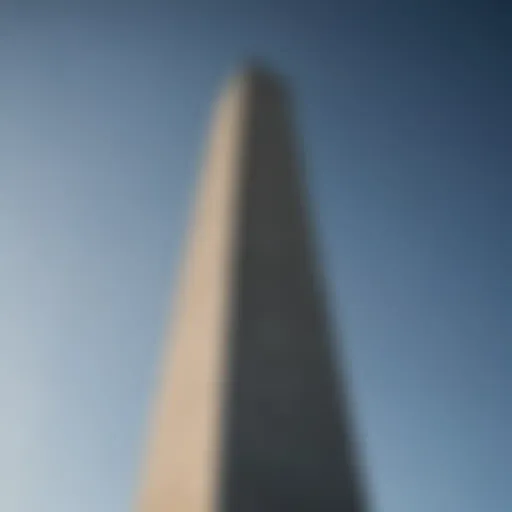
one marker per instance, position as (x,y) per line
(403,107)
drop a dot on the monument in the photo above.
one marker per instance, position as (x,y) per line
(250,415)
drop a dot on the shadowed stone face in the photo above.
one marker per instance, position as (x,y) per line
(249,417)
(284,444)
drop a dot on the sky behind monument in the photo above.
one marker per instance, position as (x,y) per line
(402,106)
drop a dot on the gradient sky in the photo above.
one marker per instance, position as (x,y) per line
(403,107)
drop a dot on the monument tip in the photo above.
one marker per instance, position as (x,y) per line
(255,69)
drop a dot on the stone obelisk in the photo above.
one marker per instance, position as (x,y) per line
(249,416)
